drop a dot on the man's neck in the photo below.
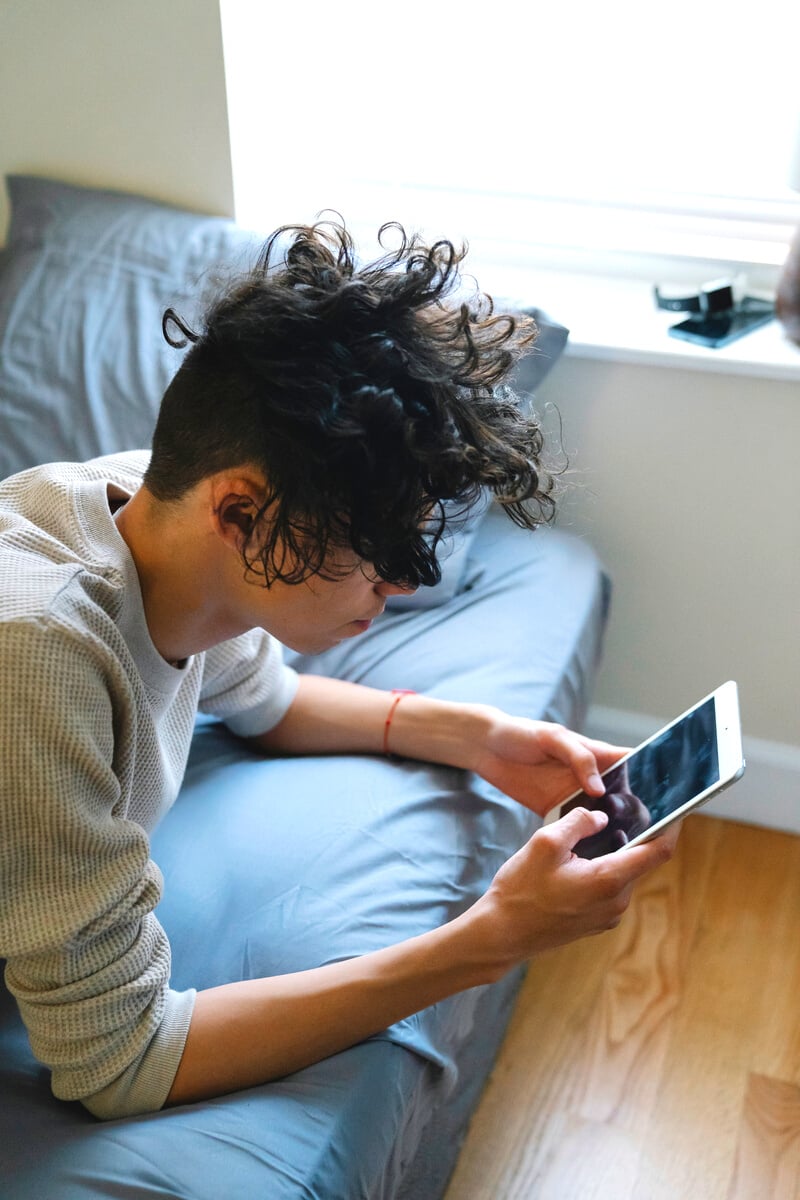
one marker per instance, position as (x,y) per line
(179,568)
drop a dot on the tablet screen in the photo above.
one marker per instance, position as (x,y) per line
(656,780)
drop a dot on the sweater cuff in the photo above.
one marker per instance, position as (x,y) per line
(145,1084)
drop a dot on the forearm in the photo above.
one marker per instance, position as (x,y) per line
(536,762)
(330,716)
(247,1033)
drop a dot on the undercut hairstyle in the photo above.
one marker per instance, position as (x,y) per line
(370,398)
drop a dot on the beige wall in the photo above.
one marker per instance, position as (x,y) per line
(688,485)
(118,93)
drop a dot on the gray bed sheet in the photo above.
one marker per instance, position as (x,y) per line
(279,865)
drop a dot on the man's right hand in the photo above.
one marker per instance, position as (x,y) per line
(545,896)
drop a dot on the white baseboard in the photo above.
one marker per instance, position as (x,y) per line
(769,792)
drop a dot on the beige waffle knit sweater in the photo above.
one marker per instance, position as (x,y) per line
(95,729)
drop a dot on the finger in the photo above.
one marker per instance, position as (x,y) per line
(631,862)
(605,754)
(573,750)
(567,831)
(670,834)
(604,750)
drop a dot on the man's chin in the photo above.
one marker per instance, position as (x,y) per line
(318,645)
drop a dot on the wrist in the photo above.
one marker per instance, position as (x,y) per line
(440,731)
(397,696)
(478,944)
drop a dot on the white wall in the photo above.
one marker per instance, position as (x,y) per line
(119,93)
(688,485)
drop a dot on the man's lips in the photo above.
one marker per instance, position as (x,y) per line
(365,622)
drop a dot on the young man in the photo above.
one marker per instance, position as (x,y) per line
(299,467)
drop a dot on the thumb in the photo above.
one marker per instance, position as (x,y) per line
(579,823)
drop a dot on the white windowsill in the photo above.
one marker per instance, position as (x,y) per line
(616,320)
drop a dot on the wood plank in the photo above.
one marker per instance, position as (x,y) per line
(642,987)
(566,1062)
(591,1161)
(629,1066)
(534,1079)
(723,1016)
(768,1154)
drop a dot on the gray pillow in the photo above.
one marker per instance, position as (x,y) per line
(84,280)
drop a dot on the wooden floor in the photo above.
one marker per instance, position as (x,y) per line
(659,1061)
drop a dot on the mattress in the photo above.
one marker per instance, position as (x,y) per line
(278,865)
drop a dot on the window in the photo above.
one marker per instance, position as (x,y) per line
(574,133)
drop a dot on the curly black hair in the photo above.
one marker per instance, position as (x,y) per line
(369,397)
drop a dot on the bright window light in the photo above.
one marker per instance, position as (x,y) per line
(567,128)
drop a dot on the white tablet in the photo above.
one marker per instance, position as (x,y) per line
(678,768)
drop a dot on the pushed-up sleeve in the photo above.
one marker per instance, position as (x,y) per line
(247,684)
(87,960)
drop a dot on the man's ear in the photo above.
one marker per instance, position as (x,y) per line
(236,505)
(236,515)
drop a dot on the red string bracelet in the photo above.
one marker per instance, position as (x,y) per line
(398,694)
